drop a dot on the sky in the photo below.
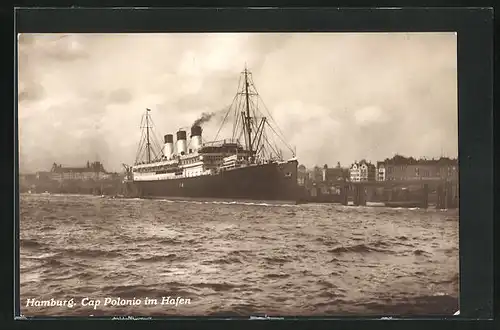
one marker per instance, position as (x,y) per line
(337,97)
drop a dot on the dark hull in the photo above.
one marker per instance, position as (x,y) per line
(263,182)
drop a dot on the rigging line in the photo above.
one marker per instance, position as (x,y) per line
(271,146)
(242,114)
(268,147)
(153,148)
(255,115)
(265,107)
(239,126)
(157,150)
(142,126)
(253,107)
(140,146)
(142,121)
(286,145)
(260,151)
(281,139)
(157,156)
(260,130)
(282,135)
(224,119)
(153,143)
(155,135)
(155,139)
(139,149)
(241,133)
(154,130)
(275,144)
(239,123)
(236,117)
(231,109)
(141,156)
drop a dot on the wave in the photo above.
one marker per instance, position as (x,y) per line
(172,241)
(330,296)
(30,243)
(420,252)
(326,241)
(168,257)
(278,275)
(277,260)
(230,202)
(55,263)
(86,253)
(145,248)
(218,286)
(326,284)
(359,248)
(223,261)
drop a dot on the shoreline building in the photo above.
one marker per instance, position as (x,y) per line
(362,171)
(92,171)
(401,168)
(334,174)
(380,171)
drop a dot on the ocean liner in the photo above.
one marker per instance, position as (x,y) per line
(221,168)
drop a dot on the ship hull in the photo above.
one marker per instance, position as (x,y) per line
(262,182)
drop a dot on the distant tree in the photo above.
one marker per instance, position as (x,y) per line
(338,165)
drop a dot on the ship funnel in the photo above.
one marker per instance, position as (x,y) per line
(168,148)
(196,137)
(181,143)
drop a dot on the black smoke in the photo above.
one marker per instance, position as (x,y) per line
(205,117)
(208,116)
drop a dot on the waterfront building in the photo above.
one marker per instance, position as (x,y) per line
(401,168)
(92,171)
(362,171)
(380,171)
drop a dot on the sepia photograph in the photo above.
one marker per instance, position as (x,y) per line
(238,174)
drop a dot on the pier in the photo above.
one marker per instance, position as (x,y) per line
(444,193)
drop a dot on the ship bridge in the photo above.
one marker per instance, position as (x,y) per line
(225,146)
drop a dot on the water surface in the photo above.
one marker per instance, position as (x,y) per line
(236,259)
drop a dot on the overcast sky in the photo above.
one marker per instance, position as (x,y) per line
(337,97)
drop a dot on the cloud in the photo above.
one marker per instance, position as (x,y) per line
(335,96)
(120,96)
(370,115)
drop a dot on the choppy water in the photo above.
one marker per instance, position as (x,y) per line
(236,259)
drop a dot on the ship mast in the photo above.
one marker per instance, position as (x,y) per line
(148,144)
(252,123)
(248,126)
(149,149)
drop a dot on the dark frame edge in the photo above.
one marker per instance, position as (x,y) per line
(474,93)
